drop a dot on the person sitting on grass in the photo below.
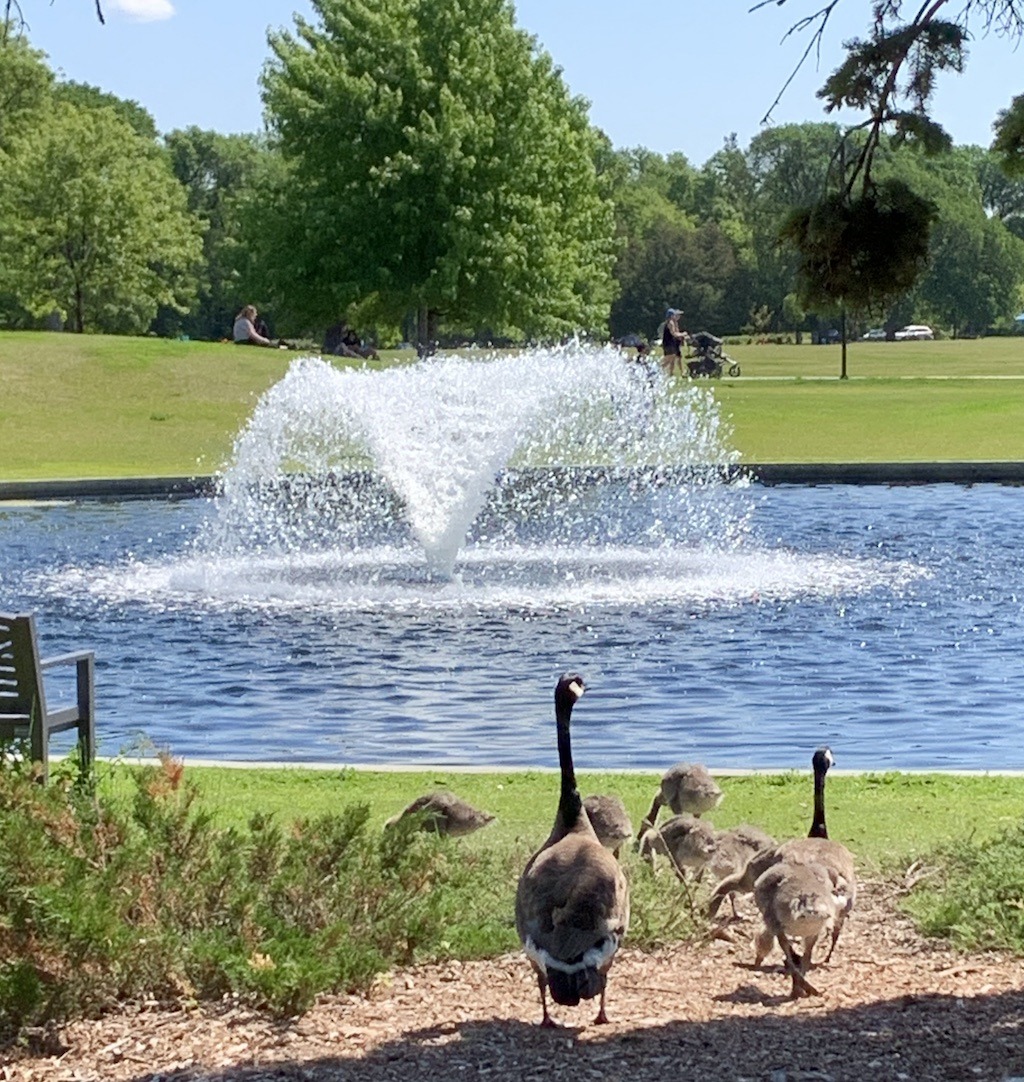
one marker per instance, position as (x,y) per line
(245,332)
(342,341)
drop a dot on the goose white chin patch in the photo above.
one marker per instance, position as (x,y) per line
(595,958)
(577,689)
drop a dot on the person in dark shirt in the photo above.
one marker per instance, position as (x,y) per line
(673,338)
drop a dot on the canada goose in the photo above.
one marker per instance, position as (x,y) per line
(798,901)
(687,841)
(444,813)
(572,902)
(685,788)
(733,848)
(817,847)
(610,820)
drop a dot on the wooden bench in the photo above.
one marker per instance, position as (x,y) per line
(24,713)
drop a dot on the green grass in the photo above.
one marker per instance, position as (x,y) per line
(876,420)
(104,406)
(887,818)
(79,406)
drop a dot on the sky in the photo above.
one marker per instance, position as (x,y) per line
(669,75)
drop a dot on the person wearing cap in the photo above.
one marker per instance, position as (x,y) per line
(672,339)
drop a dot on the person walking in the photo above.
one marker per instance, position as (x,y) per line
(673,337)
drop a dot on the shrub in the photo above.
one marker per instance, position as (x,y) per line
(975,896)
(100,903)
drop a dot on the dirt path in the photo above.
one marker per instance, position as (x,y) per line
(894,1007)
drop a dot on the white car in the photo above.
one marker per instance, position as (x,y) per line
(915,332)
(876,334)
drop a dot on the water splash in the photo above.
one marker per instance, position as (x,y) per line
(473,450)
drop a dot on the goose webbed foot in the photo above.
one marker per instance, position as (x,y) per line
(602,1018)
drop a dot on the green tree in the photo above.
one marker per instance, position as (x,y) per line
(94,225)
(1002,194)
(217,172)
(139,119)
(25,87)
(440,164)
(679,266)
(788,167)
(974,269)
(865,241)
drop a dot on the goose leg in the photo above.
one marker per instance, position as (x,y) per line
(836,929)
(546,1021)
(602,1018)
(648,823)
(801,985)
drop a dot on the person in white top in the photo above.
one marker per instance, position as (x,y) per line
(245,333)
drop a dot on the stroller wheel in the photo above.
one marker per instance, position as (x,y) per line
(734,369)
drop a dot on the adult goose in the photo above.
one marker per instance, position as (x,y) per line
(572,902)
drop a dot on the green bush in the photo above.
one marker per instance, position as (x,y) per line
(101,901)
(974,895)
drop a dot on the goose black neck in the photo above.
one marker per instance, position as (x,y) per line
(818,829)
(569,803)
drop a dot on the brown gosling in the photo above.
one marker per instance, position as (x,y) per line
(610,820)
(688,842)
(797,901)
(685,788)
(443,812)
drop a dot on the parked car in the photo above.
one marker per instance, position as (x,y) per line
(876,334)
(918,332)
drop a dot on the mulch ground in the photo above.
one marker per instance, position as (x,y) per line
(893,1007)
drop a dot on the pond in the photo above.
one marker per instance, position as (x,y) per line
(885,621)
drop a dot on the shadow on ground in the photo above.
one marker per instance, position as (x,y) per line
(919,1038)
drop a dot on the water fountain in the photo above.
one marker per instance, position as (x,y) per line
(402,561)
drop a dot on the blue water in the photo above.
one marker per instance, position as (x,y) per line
(884,621)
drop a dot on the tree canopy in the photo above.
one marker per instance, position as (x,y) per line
(441,165)
(863,242)
(93,224)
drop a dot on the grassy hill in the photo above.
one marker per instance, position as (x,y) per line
(99,406)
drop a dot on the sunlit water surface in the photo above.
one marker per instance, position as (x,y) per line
(886,621)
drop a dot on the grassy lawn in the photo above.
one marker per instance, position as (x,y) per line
(99,406)
(887,819)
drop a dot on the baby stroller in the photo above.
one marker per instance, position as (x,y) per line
(708,358)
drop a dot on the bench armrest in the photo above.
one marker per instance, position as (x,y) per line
(66,659)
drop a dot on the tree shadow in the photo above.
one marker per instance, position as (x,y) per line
(922,1038)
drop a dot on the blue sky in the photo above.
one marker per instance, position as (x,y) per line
(670,75)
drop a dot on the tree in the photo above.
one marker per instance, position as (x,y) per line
(91,97)
(890,75)
(217,172)
(93,224)
(25,86)
(788,167)
(677,265)
(974,269)
(440,164)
